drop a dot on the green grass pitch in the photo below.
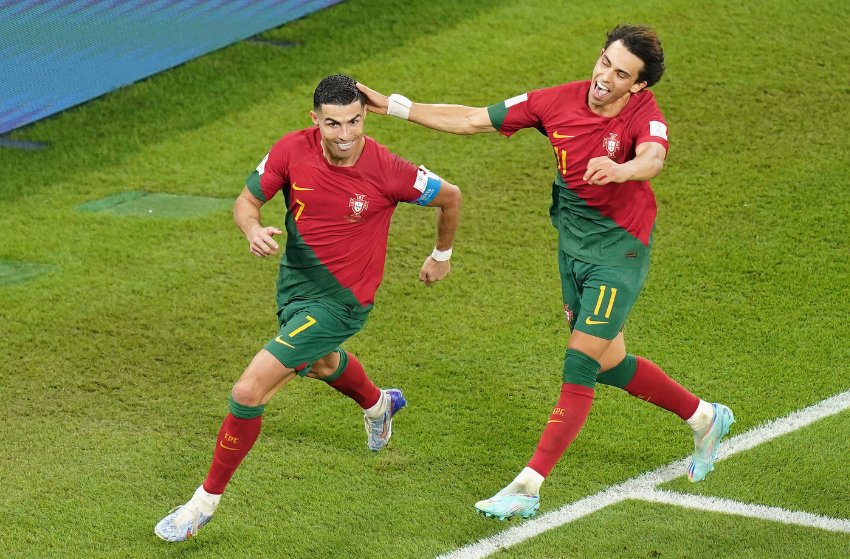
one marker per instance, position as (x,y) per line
(118,356)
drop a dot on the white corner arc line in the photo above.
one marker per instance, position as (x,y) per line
(530,528)
(634,487)
(728,506)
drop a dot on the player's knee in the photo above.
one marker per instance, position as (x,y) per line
(580,368)
(246,393)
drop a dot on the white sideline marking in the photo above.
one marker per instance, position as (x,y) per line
(644,485)
(716,504)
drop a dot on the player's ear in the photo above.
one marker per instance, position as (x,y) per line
(637,86)
(314,117)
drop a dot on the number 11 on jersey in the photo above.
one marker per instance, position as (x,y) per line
(561,160)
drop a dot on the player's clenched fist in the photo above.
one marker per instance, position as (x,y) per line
(434,270)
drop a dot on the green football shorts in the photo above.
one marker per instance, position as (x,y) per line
(309,330)
(599,298)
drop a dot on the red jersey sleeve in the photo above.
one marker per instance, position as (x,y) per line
(271,175)
(516,113)
(275,176)
(649,126)
(398,176)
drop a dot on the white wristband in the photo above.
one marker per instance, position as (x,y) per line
(399,106)
(441,255)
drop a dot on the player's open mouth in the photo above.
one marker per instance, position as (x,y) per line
(599,90)
(346,146)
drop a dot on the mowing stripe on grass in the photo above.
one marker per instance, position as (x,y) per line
(644,485)
(728,506)
(157,205)
(13,272)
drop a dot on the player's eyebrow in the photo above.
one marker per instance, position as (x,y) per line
(335,121)
(618,70)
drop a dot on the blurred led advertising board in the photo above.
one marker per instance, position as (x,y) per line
(55,54)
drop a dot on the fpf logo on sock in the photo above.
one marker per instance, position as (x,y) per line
(232,442)
(557,412)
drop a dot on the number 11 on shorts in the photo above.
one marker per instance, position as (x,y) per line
(602,298)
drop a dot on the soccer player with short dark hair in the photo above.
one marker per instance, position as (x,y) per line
(340,188)
(609,139)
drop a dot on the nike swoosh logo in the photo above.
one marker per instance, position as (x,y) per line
(295,187)
(280,341)
(591,322)
(226,447)
(560,136)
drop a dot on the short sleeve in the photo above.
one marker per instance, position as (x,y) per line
(650,126)
(399,177)
(514,114)
(270,175)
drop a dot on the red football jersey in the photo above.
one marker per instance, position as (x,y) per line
(337,218)
(607,224)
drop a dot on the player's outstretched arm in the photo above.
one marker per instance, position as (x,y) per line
(246,214)
(456,119)
(437,266)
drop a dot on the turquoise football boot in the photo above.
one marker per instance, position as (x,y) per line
(705,448)
(506,506)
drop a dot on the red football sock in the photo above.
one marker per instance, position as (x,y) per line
(652,384)
(354,383)
(235,439)
(564,424)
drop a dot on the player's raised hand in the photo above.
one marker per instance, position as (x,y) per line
(434,270)
(375,102)
(602,170)
(260,241)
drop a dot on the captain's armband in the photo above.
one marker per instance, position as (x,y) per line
(428,184)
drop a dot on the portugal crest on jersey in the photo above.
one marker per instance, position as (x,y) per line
(611,143)
(358,205)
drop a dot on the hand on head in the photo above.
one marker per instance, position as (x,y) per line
(375,102)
